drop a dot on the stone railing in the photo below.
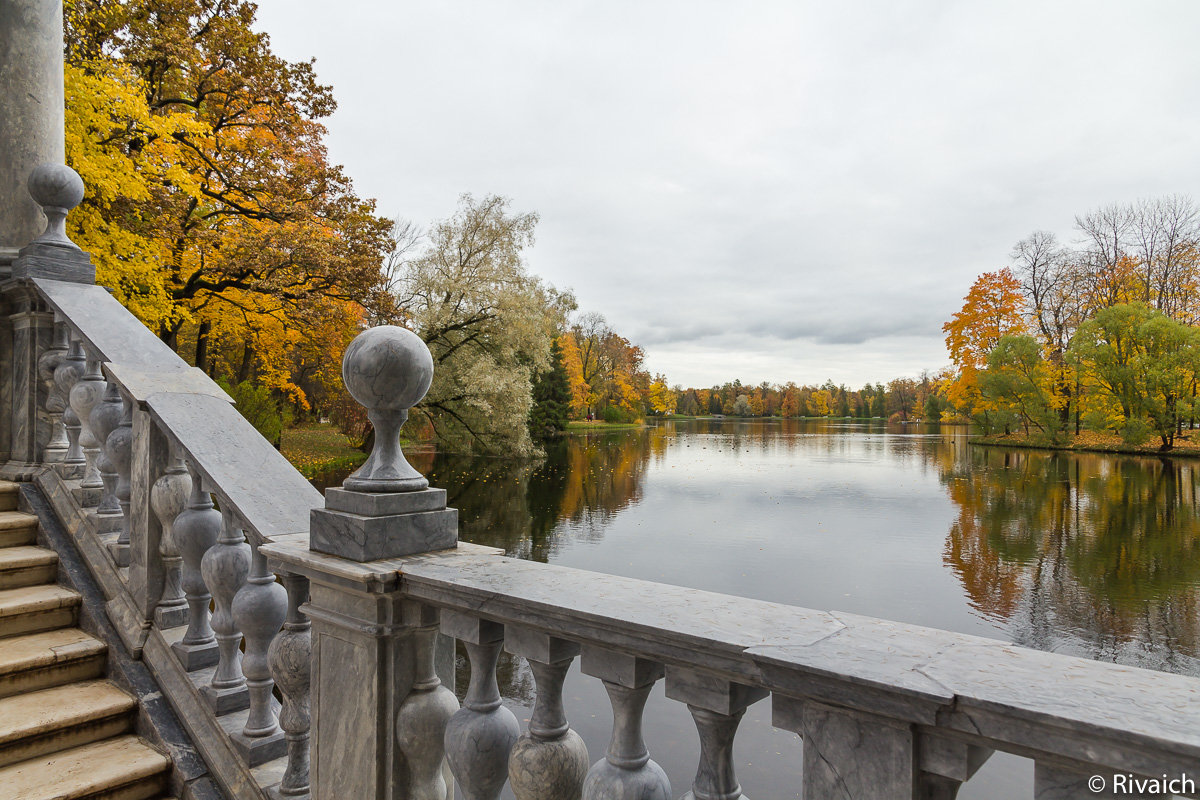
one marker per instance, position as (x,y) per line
(177,503)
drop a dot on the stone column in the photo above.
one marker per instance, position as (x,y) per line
(550,761)
(31,105)
(57,189)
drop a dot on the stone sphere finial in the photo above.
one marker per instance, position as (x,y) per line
(388,370)
(57,189)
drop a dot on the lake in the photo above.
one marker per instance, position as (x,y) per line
(1087,554)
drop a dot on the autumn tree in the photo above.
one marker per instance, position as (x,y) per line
(661,398)
(213,190)
(485,319)
(610,367)
(993,308)
(1142,365)
(1017,384)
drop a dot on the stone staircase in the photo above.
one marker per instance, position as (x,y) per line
(66,733)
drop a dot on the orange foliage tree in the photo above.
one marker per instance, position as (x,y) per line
(993,308)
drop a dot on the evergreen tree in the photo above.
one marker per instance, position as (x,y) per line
(551,397)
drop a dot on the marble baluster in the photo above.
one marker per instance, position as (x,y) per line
(85,394)
(551,760)
(119,447)
(225,567)
(168,498)
(423,716)
(65,377)
(290,658)
(480,736)
(105,418)
(626,771)
(56,402)
(946,764)
(717,707)
(259,609)
(196,530)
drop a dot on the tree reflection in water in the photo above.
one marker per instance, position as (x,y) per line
(1090,554)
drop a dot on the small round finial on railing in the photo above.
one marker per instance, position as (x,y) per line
(57,189)
(388,370)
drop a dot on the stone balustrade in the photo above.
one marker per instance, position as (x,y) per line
(885,709)
(164,488)
(348,604)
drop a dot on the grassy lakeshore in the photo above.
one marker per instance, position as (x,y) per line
(1097,442)
(583,426)
(314,448)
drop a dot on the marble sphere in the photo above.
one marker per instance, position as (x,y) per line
(387,368)
(56,185)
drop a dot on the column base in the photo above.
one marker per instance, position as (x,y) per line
(120,554)
(87,496)
(70,471)
(170,616)
(105,523)
(276,793)
(256,750)
(196,656)
(226,701)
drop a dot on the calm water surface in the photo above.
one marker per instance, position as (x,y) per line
(1092,555)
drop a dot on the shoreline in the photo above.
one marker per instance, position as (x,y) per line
(1092,442)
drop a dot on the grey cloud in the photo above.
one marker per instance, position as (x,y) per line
(790,188)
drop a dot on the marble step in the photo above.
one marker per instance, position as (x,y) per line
(47,721)
(37,608)
(8,495)
(26,565)
(52,658)
(17,528)
(121,768)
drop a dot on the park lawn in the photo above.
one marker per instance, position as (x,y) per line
(314,448)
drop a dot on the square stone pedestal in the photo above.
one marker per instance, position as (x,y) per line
(364,526)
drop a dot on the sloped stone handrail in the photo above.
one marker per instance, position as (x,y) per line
(239,465)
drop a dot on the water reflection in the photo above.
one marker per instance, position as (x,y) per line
(529,507)
(1093,554)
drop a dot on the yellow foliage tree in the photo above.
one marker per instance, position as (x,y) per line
(992,309)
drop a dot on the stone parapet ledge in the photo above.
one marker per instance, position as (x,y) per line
(291,554)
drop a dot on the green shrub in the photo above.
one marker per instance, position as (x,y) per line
(260,409)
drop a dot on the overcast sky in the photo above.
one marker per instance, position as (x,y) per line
(762,190)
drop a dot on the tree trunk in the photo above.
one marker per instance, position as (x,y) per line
(247,362)
(202,346)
